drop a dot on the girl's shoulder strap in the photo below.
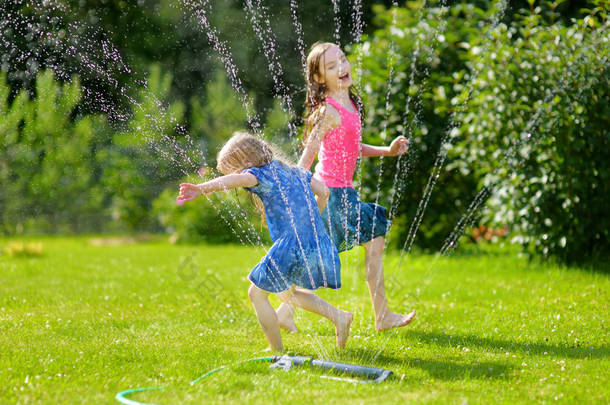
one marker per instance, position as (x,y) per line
(334,103)
(340,106)
(328,116)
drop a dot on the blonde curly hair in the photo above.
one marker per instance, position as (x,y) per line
(243,151)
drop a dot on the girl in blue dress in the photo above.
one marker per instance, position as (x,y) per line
(302,253)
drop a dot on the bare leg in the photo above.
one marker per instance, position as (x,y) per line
(266,317)
(384,318)
(285,316)
(311,302)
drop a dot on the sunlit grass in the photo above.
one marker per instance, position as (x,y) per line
(21,249)
(84,321)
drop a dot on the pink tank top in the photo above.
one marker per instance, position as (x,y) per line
(340,149)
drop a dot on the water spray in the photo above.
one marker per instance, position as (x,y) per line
(365,374)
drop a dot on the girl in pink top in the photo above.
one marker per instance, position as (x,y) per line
(333,132)
(340,149)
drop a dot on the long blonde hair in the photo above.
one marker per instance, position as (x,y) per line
(315,106)
(243,151)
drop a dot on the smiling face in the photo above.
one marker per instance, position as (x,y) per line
(335,70)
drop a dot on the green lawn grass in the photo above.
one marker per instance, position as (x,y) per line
(82,322)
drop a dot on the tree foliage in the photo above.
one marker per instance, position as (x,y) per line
(49,171)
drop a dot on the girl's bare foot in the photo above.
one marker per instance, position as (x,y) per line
(286,319)
(393,320)
(342,327)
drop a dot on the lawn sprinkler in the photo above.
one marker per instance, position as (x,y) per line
(368,374)
(286,362)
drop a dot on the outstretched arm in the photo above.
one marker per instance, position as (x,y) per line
(322,193)
(398,147)
(190,191)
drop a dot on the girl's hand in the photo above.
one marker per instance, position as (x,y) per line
(188,192)
(399,146)
(228,182)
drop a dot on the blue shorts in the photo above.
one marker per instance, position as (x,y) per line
(351,222)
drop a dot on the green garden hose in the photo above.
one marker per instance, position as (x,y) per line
(121,396)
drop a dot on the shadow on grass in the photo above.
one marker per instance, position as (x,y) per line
(596,262)
(499,345)
(451,370)
(443,369)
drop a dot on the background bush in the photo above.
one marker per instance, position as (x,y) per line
(470,96)
(536,128)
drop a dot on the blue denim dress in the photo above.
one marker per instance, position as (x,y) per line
(302,253)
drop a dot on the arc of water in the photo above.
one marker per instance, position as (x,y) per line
(398,183)
(276,70)
(449,245)
(72,47)
(298,28)
(223,50)
(199,10)
(337,18)
(65,46)
(391,61)
(268,43)
(261,25)
(512,154)
(442,156)
(108,50)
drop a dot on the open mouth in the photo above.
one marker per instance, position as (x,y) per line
(344,76)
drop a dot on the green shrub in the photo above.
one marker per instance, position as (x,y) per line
(537,128)
(480,86)
(49,172)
